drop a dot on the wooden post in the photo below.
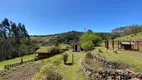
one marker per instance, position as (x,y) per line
(118,44)
(106,44)
(138,45)
(130,45)
(113,44)
(72,58)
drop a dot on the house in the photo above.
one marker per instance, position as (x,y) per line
(76,47)
(126,45)
(48,51)
(42,53)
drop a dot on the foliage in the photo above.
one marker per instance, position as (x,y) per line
(89,55)
(132,58)
(54,50)
(65,57)
(126,30)
(89,40)
(105,35)
(16,60)
(66,38)
(52,75)
(48,71)
(14,40)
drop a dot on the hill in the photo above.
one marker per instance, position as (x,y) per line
(67,37)
(138,36)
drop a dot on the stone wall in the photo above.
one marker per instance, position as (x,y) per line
(110,64)
(111,74)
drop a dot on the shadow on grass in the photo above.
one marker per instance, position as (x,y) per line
(69,64)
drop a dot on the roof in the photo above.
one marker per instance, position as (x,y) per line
(43,49)
(75,43)
(127,43)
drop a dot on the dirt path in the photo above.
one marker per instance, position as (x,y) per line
(23,73)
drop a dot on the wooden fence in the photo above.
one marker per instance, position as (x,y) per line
(115,44)
(7,67)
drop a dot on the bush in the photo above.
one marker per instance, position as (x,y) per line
(89,40)
(89,55)
(52,75)
(54,50)
(47,72)
(65,57)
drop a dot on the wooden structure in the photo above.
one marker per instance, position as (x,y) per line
(76,47)
(42,53)
(124,44)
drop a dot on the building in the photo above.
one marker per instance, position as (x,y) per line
(76,47)
(126,45)
(42,53)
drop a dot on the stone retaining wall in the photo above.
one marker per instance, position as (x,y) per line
(110,64)
(112,74)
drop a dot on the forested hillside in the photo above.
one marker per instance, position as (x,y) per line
(126,30)
(14,40)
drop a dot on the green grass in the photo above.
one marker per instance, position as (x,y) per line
(72,72)
(16,60)
(133,58)
(132,37)
(69,72)
(94,64)
(44,39)
(43,49)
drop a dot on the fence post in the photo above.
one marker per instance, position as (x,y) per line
(138,45)
(72,58)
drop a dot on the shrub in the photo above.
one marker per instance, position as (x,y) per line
(89,40)
(52,75)
(65,57)
(89,55)
(47,72)
(54,50)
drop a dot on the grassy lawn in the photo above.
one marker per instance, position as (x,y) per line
(16,60)
(72,72)
(69,72)
(132,37)
(133,58)
(94,64)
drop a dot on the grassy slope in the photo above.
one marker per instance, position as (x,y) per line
(44,39)
(16,60)
(133,58)
(132,37)
(72,72)
(69,72)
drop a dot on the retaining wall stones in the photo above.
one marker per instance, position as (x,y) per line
(112,74)
(110,64)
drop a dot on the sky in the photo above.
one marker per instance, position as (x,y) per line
(43,17)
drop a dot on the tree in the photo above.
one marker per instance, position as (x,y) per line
(14,40)
(89,40)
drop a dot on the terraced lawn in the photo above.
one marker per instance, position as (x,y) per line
(133,58)
(16,60)
(72,72)
(69,72)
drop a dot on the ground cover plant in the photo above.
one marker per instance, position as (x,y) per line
(68,72)
(133,58)
(16,60)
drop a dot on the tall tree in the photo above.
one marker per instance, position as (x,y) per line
(89,40)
